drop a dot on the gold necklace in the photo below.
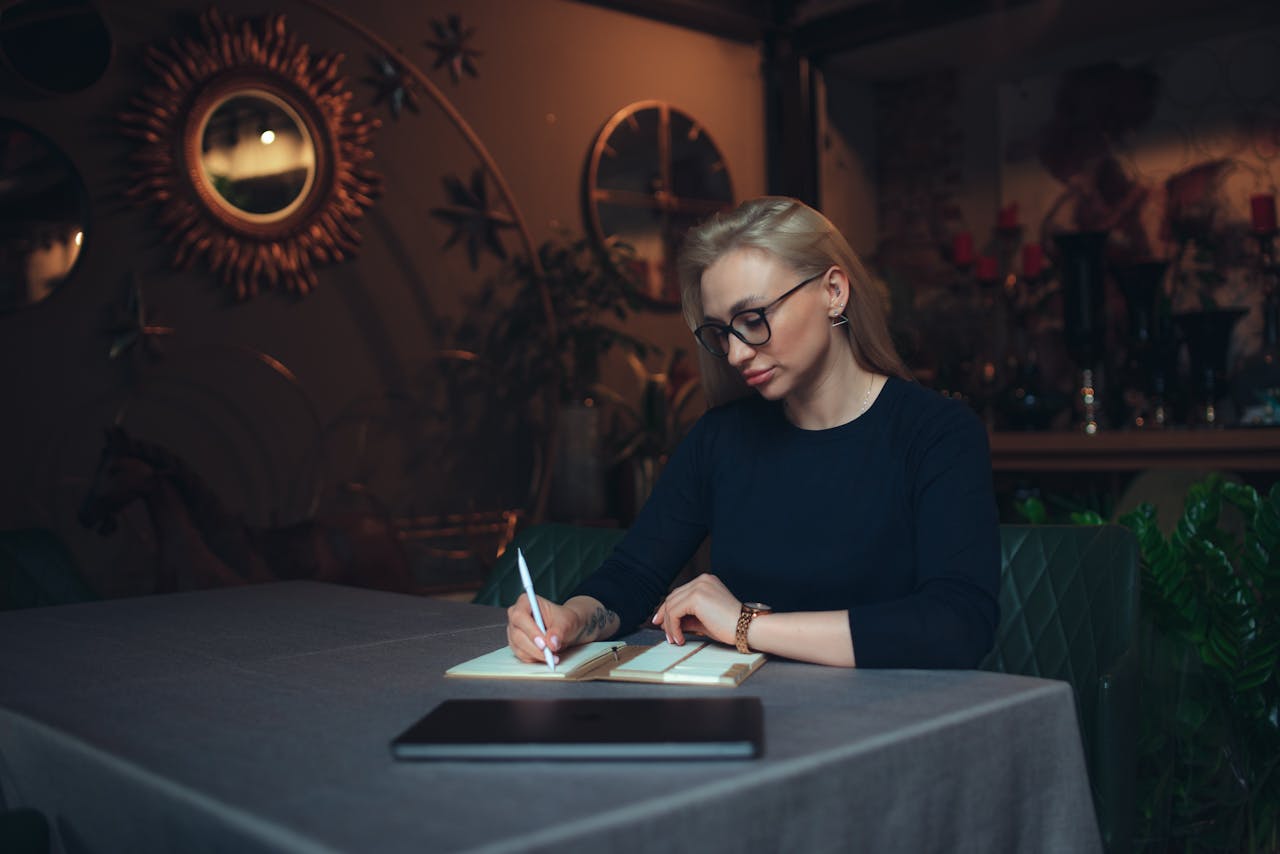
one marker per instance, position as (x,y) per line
(866,401)
(866,398)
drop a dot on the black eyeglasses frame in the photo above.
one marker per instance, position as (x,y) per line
(727,328)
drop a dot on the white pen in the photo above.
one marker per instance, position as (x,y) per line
(533,604)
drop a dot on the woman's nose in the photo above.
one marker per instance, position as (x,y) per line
(739,351)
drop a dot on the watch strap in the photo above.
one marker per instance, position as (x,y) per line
(744,624)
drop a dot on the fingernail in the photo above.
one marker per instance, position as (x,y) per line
(555,642)
(556,659)
(668,638)
(654,620)
(538,643)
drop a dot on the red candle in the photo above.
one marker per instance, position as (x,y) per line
(962,248)
(1032,260)
(987,269)
(1263,208)
(1007,218)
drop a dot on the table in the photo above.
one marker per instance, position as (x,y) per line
(258,719)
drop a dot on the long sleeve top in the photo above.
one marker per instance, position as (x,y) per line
(891,516)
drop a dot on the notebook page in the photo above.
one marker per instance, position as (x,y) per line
(658,658)
(503,664)
(712,664)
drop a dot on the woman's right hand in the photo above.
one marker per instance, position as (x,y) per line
(527,642)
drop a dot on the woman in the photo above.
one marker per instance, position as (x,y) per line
(854,502)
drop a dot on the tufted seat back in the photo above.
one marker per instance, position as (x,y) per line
(559,556)
(1069,611)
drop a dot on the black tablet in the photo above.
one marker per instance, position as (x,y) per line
(578,729)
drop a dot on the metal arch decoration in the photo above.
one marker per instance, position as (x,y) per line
(193,76)
(433,92)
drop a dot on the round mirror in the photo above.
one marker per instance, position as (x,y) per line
(256,156)
(251,153)
(56,45)
(44,212)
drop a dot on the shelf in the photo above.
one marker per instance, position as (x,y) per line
(1242,450)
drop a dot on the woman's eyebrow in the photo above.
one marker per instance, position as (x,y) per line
(745,302)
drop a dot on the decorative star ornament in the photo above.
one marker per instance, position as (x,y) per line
(392,84)
(471,217)
(133,324)
(450,45)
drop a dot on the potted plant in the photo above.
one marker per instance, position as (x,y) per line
(1209,750)
(644,434)
(1209,756)
(506,325)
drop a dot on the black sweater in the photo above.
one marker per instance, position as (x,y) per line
(891,516)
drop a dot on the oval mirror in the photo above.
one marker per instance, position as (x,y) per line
(58,46)
(256,155)
(44,212)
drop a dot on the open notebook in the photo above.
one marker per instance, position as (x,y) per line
(692,664)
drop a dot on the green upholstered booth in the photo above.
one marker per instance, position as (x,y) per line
(36,569)
(559,556)
(1069,611)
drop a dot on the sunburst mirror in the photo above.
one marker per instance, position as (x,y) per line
(249,149)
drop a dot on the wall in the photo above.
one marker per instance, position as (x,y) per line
(929,135)
(982,54)
(551,74)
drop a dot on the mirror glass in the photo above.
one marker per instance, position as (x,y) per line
(57,45)
(654,173)
(632,160)
(44,213)
(697,167)
(257,156)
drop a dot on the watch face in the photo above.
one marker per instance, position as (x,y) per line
(653,173)
(756,606)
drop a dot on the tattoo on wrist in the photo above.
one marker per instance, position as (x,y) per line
(598,623)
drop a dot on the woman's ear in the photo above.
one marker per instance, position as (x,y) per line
(837,286)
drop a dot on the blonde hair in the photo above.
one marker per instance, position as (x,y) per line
(805,240)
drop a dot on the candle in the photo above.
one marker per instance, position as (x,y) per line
(1032,260)
(962,248)
(1263,208)
(1007,218)
(987,270)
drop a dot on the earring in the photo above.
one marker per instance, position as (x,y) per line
(839,320)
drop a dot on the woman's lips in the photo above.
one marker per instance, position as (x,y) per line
(755,378)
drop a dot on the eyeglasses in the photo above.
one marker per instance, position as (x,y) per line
(749,326)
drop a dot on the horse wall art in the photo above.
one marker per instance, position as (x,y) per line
(201,544)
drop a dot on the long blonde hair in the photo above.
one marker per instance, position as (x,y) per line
(805,240)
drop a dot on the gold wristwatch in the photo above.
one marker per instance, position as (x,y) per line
(750,610)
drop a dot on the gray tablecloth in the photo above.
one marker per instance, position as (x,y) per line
(258,719)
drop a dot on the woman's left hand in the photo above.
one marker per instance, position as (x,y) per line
(703,605)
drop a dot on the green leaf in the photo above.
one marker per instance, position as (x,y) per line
(1032,509)
(1210,741)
